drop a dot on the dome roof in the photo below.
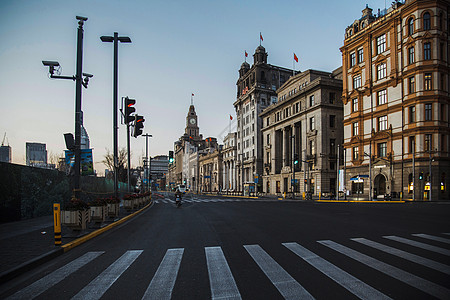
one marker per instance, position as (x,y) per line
(260,49)
(245,65)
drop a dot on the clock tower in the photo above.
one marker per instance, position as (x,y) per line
(192,129)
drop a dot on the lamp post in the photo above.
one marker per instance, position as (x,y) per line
(115,39)
(146,158)
(79,81)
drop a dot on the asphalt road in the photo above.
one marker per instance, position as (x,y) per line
(230,248)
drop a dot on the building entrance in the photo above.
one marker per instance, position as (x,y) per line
(380,186)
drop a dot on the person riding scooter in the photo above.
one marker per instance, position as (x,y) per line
(178,197)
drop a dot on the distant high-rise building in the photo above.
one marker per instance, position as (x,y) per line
(5,154)
(36,154)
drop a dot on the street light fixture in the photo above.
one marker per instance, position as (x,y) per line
(115,39)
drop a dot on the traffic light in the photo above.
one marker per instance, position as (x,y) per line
(138,125)
(295,159)
(170,157)
(129,109)
(421,175)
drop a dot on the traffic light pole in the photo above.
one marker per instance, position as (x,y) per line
(129,157)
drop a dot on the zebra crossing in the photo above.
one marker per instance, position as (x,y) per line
(218,200)
(222,281)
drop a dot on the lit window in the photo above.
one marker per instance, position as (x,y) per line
(428,82)
(381,44)
(354,104)
(355,153)
(311,100)
(428,142)
(381,97)
(411,85)
(312,124)
(381,70)
(355,128)
(382,123)
(357,82)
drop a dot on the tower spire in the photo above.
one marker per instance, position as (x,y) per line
(192,99)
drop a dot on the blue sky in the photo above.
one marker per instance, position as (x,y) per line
(178,48)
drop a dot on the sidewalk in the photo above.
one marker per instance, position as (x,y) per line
(28,243)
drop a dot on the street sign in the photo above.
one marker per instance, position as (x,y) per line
(206,176)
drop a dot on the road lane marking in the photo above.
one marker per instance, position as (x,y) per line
(97,287)
(221,279)
(286,285)
(163,282)
(433,238)
(55,277)
(408,278)
(418,244)
(406,255)
(349,282)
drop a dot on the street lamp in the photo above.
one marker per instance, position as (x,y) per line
(115,39)
(79,81)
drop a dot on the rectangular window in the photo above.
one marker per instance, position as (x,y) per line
(382,149)
(332,121)
(360,56)
(352,59)
(332,98)
(267,121)
(412,144)
(355,128)
(428,145)
(441,51)
(312,147)
(427,51)
(312,124)
(382,123)
(428,83)
(354,104)
(332,146)
(428,112)
(268,139)
(411,85)
(355,153)
(381,44)
(381,97)
(357,82)
(311,100)
(411,55)
(381,71)
(412,114)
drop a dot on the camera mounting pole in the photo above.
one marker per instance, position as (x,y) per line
(79,82)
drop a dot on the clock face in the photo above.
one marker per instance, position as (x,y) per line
(192,121)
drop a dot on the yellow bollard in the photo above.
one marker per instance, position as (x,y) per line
(57,223)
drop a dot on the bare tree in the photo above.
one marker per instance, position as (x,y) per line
(121,163)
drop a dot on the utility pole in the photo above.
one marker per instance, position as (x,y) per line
(414,168)
(337,176)
(293,167)
(115,40)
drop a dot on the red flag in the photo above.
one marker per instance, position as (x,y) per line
(260,36)
(192,94)
(231,118)
(246,54)
(295,58)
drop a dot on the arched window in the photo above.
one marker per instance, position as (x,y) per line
(426,21)
(410,26)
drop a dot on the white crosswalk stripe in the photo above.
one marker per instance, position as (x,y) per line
(221,279)
(163,282)
(286,285)
(96,288)
(433,238)
(419,244)
(408,256)
(55,277)
(222,283)
(352,284)
(408,278)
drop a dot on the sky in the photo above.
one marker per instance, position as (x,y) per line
(178,48)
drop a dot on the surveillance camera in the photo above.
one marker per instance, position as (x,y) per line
(88,75)
(81,18)
(48,63)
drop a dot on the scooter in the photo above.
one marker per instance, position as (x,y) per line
(178,200)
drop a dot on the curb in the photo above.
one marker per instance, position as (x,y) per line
(37,261)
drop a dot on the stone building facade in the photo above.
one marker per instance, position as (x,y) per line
(229,154)
(210,170)
(304,126)
(396,101)
(256,90)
